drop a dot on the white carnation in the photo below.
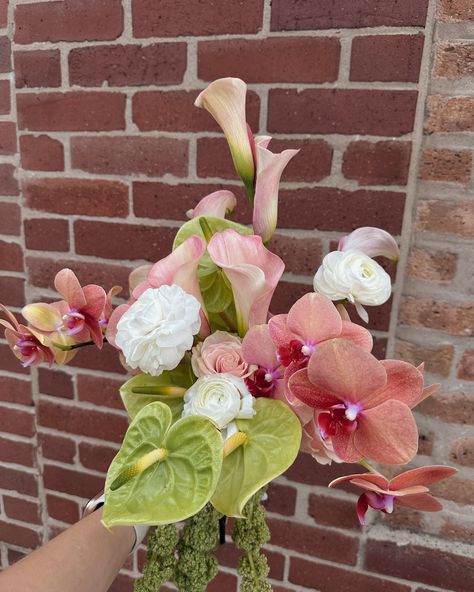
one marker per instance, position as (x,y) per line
(354,276)
(219,397)
(157,329)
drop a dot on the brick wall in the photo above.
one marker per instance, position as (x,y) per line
(97,127)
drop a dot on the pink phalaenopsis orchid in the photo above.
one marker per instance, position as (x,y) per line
(363,404)
(373,242)
(253,272)
(409,489)
(217,204)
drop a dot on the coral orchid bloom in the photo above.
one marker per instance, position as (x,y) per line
(258,349)
(408,489)
(365,404)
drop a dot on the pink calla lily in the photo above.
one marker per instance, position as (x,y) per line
(217,204)
(253,272)
(409,489)
(366,403)
(374,242)
(224,99)
(270,167)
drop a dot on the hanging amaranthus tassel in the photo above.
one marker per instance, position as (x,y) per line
(161,561)
(250,534)
(196,565)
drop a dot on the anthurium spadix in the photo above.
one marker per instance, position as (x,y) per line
(373,242)
(270,167)
(217,204)
(225,100)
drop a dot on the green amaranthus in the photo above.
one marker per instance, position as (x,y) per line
(161,560)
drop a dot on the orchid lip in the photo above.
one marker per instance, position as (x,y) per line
(352,411)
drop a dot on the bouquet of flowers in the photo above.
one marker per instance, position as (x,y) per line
(224,395)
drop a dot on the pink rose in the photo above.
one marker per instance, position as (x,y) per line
(220,353)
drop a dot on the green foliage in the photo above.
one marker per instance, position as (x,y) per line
(174,488)
(196,565)
(274,435)
(213,223)
(161,560)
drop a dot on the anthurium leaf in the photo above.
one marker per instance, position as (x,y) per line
(171,489)
(214,224)
(273,441)
(143,389)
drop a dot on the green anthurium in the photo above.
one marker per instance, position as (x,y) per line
(162,474)
(167,388)
(273,438)
(213,224)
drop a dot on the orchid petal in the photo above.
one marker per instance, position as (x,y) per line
(270,167)
(279,331)
(404,383)
(253,272)
(217,204)
(115,317)
(364,480)
(300,387)
(420,501)
(421,476)
(224,99)
(344,447)
(369,486)
(314,318)
(138,276)
(42,316)
(357,334)
(10,316)
(67,284)
(387,433)
(258,348)
(362,507)
(372,241)
(96,298)
(347,371)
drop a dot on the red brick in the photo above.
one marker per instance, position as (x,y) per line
(96,457)
(457,10)
(38,68)
(69,20)
(122,583)
(10,218)
(342,111)
(4,97)
(310,540)
(223,581)
(12,291)
(462,452)
(437,359)
(306,470)
(123,241)
(452,407)
(403,519)
(19,535)
(55,383)
(8,182)
(20,509)
(130,154)
(3,13)
(288,15)
(328,578)
(173,18)
(13,555)
(433,314)
(11,256)
(174,110)
(91,197)
(331,511)
(446,165)
(14,451)
(57,448)
(62,509)
(47,235)
(99,390)
(14,390)
(432,266)
(72,482)
(85,422)
(5,54)
(128,65)
(281,499)
(446,217)
(454,60)
(450,114)
(71,111)
(41,153)
(19,481)
(7,360)
(379,349)
(300,59)
(421,564)
(7,138)
(465,367)
(15,421)
(286,294)
(107,360)
(301,255)
(458,530)
(377,163)
(386,58)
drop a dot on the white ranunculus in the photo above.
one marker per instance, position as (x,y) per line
(354,276)
(219,397)
(157,329)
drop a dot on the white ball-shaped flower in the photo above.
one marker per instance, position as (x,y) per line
(157,329)
(354,276)
(219,397)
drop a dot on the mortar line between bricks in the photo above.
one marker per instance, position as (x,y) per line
(409,213)
(266,19)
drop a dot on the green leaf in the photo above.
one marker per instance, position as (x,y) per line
(174,488)
(135,401)
(215,287)
(274,436)
(215,224)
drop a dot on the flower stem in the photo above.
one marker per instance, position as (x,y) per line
(75,346)
(369,467)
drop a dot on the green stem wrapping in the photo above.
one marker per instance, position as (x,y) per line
(161,561)
(196,565)
(250,534)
